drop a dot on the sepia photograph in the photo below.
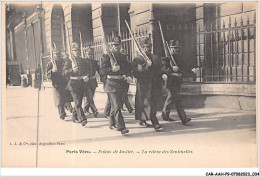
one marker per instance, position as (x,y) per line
(129,84)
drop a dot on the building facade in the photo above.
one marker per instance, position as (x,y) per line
(217,38)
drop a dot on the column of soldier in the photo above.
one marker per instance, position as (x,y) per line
(75,77)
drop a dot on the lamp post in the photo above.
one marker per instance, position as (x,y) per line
(29,76)
(39,11)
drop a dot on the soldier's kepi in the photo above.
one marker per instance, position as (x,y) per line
(116,74)
(78,70)
(147,73)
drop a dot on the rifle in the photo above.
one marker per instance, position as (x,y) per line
(113,60)
(52,60)
(81,45)
(166,47)
(74,63)
(143,54)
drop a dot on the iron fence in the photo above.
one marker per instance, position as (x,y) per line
(227,54)
(223,53)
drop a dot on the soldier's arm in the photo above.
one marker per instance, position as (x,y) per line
(67,68)
(106,67)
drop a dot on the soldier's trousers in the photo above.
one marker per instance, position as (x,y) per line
(125,101)
(61,110)
(89,94)
(77,96)
(107,107)
(174,98)
(116,117)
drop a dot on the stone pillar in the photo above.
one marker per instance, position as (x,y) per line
(68,23)
(155,33)
(109,13)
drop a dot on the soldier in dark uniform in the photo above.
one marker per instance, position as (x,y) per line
(116,73)
(78,71)
(172,75)
(59,82)
(148,89)
(94,67)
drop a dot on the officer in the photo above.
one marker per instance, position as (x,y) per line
(116,69)
(173,78)
(59,82)
(148,86)
(78,70)
(94,68)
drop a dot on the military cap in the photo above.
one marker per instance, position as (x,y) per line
(174,43)
(116,40)
(146,42)
(75,46)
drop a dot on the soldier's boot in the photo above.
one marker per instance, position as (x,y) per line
(75,116)
(86,109)
(182,114)
(94,110)
(166,117)
(84,122)
(143,123)
(124,131)
(68,106)
(158,127)
(61,112)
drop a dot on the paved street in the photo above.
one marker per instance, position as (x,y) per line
(214,137)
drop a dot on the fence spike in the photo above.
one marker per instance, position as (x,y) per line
(248,20)
(235,22)
(255,18)
(229,23)
(211,26)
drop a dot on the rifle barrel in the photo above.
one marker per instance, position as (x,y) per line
(74,63)
(137,44)
(105,44)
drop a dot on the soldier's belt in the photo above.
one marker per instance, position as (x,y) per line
(80,77)
(115,77)
(176,74)
(76,77)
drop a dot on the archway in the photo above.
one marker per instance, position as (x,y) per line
(58,27)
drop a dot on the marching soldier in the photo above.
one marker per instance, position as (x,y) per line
(173,78)
(117,69)
(94,67)
(78,71)
(147,73)
(59,82)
